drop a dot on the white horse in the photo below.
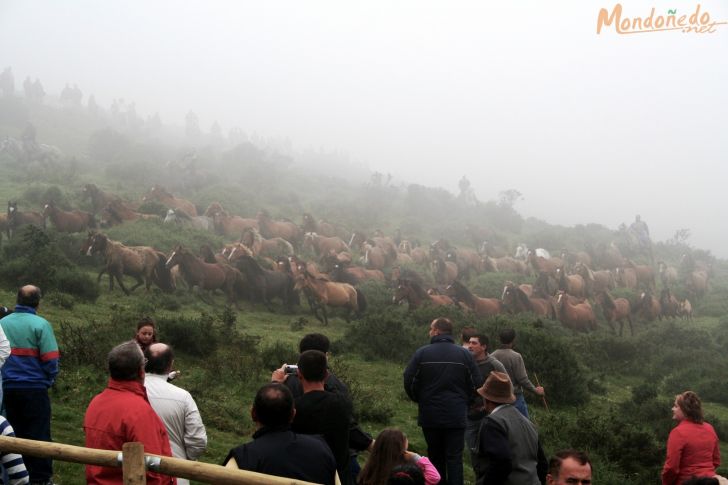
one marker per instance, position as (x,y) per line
(522,252)
(202,223)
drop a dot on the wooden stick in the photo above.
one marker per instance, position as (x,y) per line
(543,398)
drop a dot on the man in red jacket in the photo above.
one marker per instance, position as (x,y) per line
(121,414)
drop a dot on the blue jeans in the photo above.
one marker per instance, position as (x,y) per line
(520,404)
(29,413)
(445,451)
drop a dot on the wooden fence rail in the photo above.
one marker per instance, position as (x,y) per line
(193,470)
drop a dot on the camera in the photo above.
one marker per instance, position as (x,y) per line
(290,369)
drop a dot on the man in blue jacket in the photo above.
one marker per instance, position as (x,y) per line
(442,378)
(27,374)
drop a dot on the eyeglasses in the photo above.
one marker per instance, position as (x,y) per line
(576,481)
(145,362)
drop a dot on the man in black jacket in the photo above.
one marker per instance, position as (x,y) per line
(275,449)
(442,378)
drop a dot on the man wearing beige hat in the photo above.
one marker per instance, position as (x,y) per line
(508,448)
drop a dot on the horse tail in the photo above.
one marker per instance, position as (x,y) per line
(163,276)
(361,301)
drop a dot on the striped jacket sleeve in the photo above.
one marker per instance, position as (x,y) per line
(12,462)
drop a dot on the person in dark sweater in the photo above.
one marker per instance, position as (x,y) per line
(321,412)
(276,449)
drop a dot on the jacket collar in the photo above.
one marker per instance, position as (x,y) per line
(443,337)
(271,429)
(128,386)
(25,309)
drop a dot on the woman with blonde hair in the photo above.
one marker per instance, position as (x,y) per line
(390,450)
(692,447)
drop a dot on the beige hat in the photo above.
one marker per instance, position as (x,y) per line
(498,388)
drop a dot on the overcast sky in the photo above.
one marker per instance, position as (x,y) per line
(514,95)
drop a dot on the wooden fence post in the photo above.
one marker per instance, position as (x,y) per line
(133,464)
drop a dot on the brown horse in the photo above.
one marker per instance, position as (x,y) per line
(686,310)
(270,228)
(17,218)
(386,244)
(118,212)
(411,292)
(259,246)
(159,194)
(483,307)
(99,198)
(668,274)
(669,305)
(615,310)
(579,316)
(205,276)
(505,264)
(697,283)
(543,265)
(374,257)
(322,227)
(626,278)
(329,293)
(227,225)
(467,260)
(572,284)
(420,255)
(595,281)
(645,275)
(143,263)
(323,245)
(516,300)
(354,274)
(445,272)
(572,258)
(64,221)
(647,307)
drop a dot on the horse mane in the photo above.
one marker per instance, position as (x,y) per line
(251,266)
(207,254)
(608,300)
(463,293)
(419,291)
(523,298)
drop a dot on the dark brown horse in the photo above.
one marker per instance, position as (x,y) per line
(65,221)
(159,194)
(205,276)
(99,198)
(669,305)
(645,275)
(118,212)
(516,300)
(143,263)
(329,293)
(267,284)
(483,307)
(579,316)
(444,272)
(416,296)
(17,218)
(615,310)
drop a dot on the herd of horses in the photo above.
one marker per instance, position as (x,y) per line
(262,264)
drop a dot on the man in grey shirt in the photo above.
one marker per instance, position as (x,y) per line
(174,405)
(478,346)
(513,362)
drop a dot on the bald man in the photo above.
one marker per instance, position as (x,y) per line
(27,374)
(174,405)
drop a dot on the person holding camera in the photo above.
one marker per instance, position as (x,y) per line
(319,411)
(359,440)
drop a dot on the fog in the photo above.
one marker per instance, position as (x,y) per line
(513,95)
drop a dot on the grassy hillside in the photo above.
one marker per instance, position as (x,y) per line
(607,394)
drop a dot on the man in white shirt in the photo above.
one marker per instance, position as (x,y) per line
(174,406)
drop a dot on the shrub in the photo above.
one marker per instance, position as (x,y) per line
(273,356)
(387,334)
(76,283)
(87,344)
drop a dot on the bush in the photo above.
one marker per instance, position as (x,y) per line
(76,283)
(87,344)
(386,334)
